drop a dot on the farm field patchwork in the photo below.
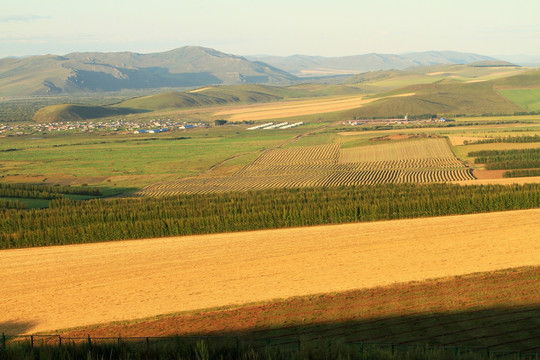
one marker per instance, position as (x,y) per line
(413,160)
(68,286)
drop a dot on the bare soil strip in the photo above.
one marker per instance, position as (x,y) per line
(68,286)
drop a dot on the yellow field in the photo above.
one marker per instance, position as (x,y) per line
(295,108)
(67,286)
(399,150)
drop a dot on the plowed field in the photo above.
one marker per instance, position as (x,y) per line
(67,286)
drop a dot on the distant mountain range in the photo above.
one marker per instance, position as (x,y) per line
(190,66)
(303,65)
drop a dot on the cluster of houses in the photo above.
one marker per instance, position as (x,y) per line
(151,127)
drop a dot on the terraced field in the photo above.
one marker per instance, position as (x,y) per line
(417,160)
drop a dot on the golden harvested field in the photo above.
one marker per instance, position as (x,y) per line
(436,148)
(68,286)
(296,108)
(292,108)
(412,160)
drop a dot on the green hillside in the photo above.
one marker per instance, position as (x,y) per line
(392,79)
(69,112)
(240,94)
(526,80)
(442,98)
(526,98)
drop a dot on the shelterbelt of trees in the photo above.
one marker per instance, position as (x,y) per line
(508,159)
(70,222)
(44,191)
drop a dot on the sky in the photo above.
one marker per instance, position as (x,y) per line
(277,27)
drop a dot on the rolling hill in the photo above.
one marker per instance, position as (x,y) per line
(72,112)
(448,90)
(94,72)
(203,97)
(471,98)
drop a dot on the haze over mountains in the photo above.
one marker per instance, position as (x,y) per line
(303,65)
(190,66)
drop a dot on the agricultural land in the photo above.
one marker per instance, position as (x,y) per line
(392,206)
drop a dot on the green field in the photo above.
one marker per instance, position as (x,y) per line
(526,98)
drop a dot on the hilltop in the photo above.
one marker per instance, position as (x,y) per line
(189,66)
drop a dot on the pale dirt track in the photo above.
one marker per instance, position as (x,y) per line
(68,286)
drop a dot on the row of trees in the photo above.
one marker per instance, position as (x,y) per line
(11,204)
(521,173)
(507,159)
(505,139)
(69,222)
(35,191)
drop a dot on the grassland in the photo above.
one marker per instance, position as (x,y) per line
(526,98)
(392,79)
(116,281)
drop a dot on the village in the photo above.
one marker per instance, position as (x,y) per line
(152,126)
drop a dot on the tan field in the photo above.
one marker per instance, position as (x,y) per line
(502,181)
(295,108)
(67,286)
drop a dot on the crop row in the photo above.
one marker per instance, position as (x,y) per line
(410,164)
(321,154)
(336,178)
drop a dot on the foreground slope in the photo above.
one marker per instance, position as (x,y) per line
(135,279)
(496,309)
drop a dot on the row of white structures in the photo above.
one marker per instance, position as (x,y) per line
(283,125)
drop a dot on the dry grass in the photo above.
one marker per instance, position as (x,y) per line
(76,285)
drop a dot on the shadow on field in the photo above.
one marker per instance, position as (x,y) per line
(499,329)
(513,328)
(16,327)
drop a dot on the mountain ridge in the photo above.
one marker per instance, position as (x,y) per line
(188,67)
(81,72)
(304,65)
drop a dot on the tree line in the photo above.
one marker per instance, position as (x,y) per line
(69,222)
(11,204)
(505,139)
(507,159)
(36,191)
(521,173)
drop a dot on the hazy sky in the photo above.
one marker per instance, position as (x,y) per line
(278,27)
